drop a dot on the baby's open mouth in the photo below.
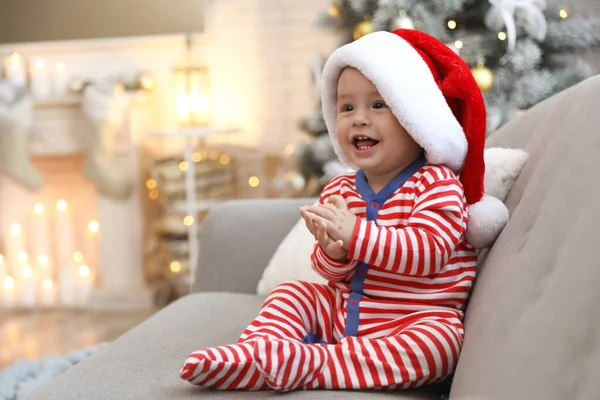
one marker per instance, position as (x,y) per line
(364,142)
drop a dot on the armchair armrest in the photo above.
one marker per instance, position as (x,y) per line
(238,239)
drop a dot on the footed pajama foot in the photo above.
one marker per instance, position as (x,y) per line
(225,368)
(289,365)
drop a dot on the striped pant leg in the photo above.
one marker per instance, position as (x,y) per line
(295,310)
(421,353)
(291,312)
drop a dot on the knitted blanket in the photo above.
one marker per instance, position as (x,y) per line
(20,379)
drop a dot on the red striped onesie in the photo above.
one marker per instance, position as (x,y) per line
(389,318)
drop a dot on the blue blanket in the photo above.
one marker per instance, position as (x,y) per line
(19,380)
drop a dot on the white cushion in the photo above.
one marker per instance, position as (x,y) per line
(291,260)
(502,167)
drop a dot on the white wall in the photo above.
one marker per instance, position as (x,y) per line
(260,52)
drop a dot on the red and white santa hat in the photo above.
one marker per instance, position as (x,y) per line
(432,92)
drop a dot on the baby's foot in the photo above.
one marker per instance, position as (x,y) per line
(225,368)
(289,365)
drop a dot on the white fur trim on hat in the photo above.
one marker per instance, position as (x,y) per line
(405,82)
(487,218)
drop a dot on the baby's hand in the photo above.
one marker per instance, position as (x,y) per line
(318,228)
(336,217)
(333,248)
(309,221)
(312,221)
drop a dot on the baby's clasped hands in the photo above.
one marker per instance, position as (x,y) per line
(332,224)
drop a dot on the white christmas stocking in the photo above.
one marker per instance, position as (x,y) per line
(16,123)
(105,108)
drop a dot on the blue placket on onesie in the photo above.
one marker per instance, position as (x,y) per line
(374,202)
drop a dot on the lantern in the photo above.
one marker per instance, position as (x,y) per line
(191,86)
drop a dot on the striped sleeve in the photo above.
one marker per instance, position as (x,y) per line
(330,269)
(424,245)
(327,267)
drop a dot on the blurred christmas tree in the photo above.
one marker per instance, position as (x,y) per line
(520,52)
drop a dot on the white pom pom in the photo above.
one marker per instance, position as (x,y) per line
(487,218)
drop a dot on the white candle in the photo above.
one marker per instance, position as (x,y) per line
(40,244)
(88,264)
(3,269)
(41,87)
(60,79)
(48,293)
(65,267)
(15,70)
(46,287)
(92,233)
(15,243)
(26,286)
(9,291)
(6,284)
(84,281)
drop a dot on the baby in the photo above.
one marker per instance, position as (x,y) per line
(396,240)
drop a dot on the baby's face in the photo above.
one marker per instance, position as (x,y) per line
(368,132)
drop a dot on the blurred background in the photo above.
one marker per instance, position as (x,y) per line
(123,123)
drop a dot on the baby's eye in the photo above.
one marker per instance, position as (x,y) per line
(379,104)
(347,108)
